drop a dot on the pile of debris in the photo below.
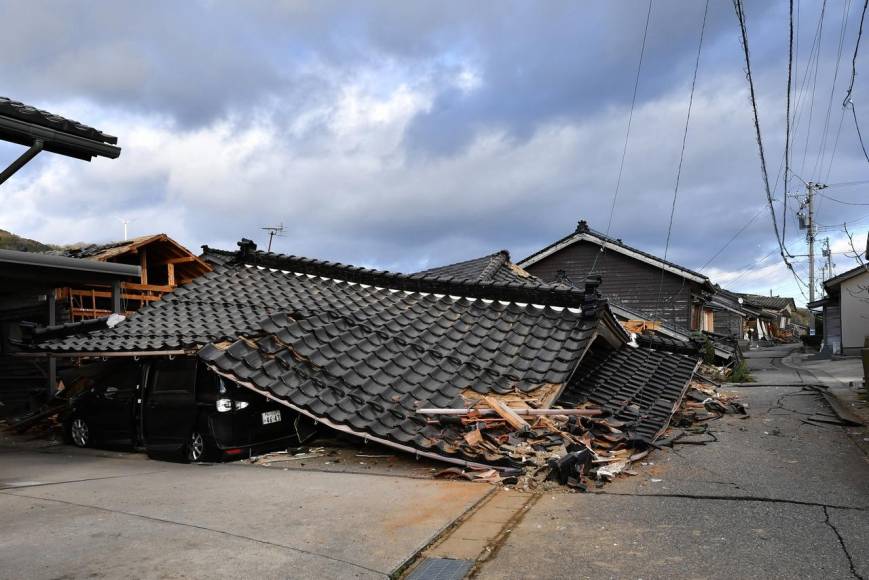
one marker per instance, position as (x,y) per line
(576,447)
(703,403)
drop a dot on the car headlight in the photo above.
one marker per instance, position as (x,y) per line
(224,405)
(241,405)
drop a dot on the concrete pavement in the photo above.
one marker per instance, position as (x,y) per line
(76,515)
(774,497)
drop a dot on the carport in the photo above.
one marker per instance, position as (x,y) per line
(27,283)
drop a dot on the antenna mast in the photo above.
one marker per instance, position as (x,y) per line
(274,231)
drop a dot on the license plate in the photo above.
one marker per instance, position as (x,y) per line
(271,417)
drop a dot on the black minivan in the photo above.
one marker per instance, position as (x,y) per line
(176,408)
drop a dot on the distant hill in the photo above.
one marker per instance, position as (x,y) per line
(10,241)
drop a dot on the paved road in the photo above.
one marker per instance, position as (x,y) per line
(775,497)
(73,514)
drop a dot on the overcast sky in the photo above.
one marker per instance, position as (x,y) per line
(405,135)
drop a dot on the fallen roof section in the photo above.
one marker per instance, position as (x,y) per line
(639,386)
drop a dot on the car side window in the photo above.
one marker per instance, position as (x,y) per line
(174,376)
(122,379)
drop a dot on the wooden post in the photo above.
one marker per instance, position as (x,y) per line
(170,274)
(143,263)
(52,362)
(116,297)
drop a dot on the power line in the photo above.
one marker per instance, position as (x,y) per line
(854,58)
(787,159)
(840,201)
(848,101)
(740,14)
(682,152)
(627,136)
(730,241)
(819,161)
(814,85)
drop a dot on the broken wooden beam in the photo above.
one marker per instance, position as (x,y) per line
(508,414)
(522,412)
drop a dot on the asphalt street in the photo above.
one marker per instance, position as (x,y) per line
(773,497)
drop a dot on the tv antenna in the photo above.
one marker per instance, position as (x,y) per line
(126,222)
(274,231)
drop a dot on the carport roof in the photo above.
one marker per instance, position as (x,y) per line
(29,271)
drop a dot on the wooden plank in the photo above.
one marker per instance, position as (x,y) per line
(179,260)
(474,437)
(104,294)
(508,414)
(170,274)
(522,412)
(147,287)
(143,263)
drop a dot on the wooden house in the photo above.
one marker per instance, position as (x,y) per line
(164,265)
(631,277)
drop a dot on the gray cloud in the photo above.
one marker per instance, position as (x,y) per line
(412,134)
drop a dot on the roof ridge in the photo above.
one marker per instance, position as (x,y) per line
(529,292)
(496,260)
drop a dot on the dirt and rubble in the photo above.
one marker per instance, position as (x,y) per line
(542,447)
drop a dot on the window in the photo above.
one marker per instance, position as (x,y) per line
(174,375)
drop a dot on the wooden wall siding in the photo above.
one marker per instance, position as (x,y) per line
(728,323)
(625,280)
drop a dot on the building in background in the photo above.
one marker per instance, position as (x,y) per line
(845,311)
(630,277)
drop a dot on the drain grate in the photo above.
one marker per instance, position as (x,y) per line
(441,569)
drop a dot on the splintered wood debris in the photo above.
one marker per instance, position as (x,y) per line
(540,445)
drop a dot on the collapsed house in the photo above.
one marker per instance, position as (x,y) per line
(484,373)
(770,317)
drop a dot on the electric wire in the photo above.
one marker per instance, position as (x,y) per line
(730,241)
(788,119)
(840,201)
(814,85)
(740,14)
(819,161)
(682,153)
(627,139)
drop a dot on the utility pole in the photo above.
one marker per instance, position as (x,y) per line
(807,222)
(827,253)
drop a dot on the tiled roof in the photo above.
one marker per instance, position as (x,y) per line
(233,300)
(495,267)
(368,370)
(362,350)
(584,233)
(640,386)
(770,302)
(22,112)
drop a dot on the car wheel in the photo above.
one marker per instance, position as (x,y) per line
(79,432)
(195,447)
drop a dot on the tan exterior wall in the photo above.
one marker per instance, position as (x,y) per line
(855,313)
